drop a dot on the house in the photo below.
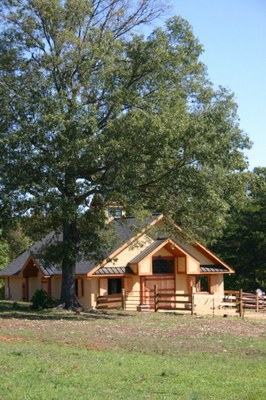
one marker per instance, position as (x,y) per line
(142,264)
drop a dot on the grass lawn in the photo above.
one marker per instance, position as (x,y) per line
(122,355)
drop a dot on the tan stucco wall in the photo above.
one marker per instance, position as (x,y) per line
(181,264)
(193,266)
(162,252)
(130,252)
(181,283)
(85,300)
(56,287)
(208,304)
(145,267)
(92,289)
(103,286)
(132,284)
(15,288)
(217,284)
(34,284)
(195,253)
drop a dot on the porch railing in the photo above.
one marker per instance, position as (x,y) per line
(110,301)
(232,303)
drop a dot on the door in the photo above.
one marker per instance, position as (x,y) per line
(165,285)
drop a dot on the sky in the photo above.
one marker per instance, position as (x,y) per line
(233,34)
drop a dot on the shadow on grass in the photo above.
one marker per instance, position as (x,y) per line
(19,310)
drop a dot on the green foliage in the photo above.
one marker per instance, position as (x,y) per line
(4,251)
(90,107)
(243,245)
(41,300)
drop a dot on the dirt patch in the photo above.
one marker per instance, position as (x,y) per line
(12,339)
(149,333)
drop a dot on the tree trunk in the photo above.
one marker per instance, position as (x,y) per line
(68,298)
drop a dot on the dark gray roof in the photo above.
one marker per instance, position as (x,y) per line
(14,267)
(146,252)
(125,229)
(113,271)
(213,268)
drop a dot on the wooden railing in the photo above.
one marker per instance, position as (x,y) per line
(233,302)
(245,301)
(173,301)
(152,300)
(110,301)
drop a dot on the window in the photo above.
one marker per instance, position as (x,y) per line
(115,212)
(114,286)
(202,283)
(162,265)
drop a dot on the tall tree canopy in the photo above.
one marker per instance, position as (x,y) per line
(243,244)
(91,107)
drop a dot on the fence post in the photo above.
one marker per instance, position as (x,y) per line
(155,298)
(123,299)
(241,306)
(257,302)
(192,301)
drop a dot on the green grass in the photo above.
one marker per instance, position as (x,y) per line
(116,355)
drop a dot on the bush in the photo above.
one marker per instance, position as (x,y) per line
(2,289)
(41,300)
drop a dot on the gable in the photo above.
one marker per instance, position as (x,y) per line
(128,248)
(197,258)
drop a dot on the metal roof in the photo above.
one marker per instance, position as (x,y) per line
(146,252)
(113,271)
(213,268)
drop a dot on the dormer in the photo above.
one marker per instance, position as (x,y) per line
(115,210)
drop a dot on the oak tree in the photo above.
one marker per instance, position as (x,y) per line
(89,106)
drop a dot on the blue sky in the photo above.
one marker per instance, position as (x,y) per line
(233,33)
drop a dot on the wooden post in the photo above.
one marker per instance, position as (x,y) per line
(155,298)
(257,302)
(123,299)
(241,308)
(192,302)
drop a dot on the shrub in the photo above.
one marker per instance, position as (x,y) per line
(41,300)
(2,289)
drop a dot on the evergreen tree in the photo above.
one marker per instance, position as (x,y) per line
(243,244)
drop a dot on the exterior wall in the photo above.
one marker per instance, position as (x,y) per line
(181,264)
(145,267)
(217,284)
(103,286)
(15,289)
(34,284)
(91,291)
(132,284)
(181,283)
(195,253)
(192,266)
(130,252)
(211,304)
(85,301)
(163,252)
(56,287)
